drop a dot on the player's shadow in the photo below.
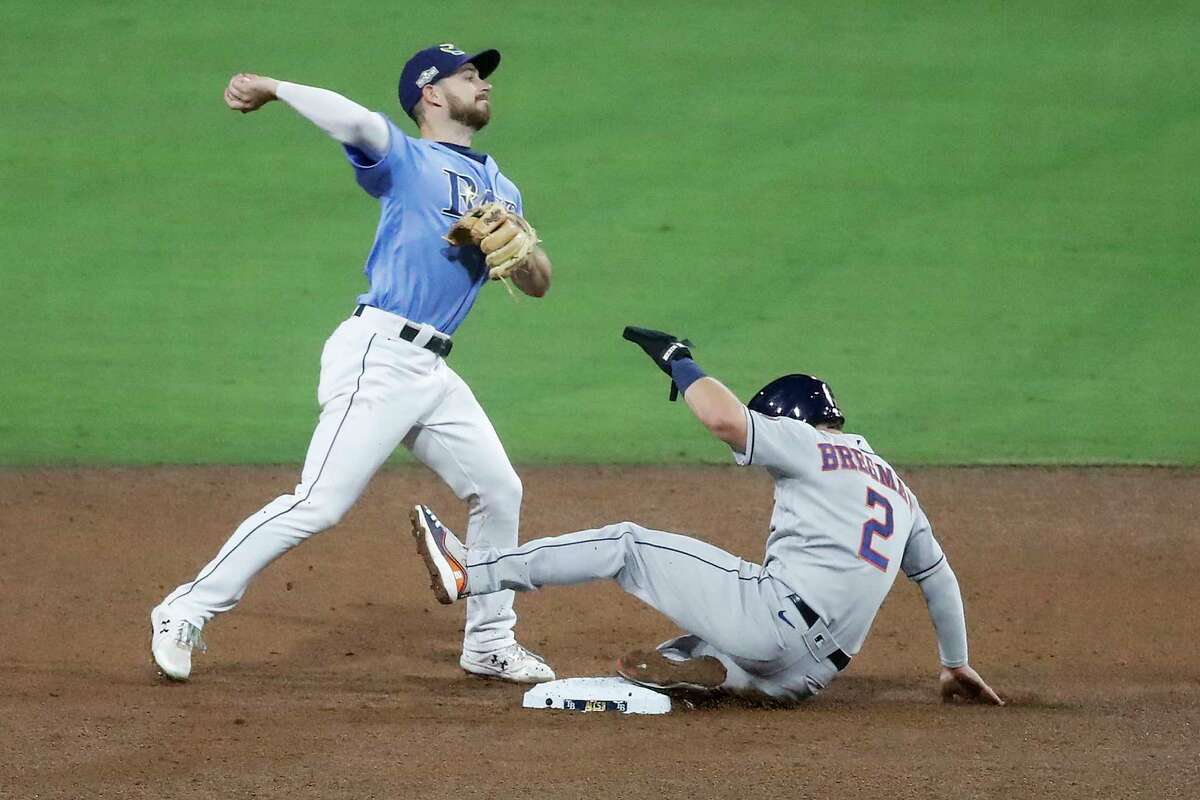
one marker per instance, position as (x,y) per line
(865,692)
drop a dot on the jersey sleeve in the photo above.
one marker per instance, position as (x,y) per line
(923,555)
(783,445)
(377,175)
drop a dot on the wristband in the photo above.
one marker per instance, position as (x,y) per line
(685,372)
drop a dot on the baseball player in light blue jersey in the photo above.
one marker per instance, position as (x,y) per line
(844,525)
(384,377)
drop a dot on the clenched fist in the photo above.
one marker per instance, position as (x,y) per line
(247,92)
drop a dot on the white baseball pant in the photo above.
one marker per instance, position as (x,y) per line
(377,391)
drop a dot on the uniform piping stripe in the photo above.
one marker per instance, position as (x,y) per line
(750,453)
(616,539)
(321,471)
(923,574)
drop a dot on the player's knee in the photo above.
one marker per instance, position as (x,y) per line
(319,514)
(330,517)
(629,535)
(629,531)
(503,495)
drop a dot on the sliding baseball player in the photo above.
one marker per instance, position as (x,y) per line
(845,524)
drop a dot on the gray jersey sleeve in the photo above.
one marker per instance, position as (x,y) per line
(922,554)
(926,565)
(785,446)
(944,600)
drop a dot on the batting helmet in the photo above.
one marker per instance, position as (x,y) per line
(801,397)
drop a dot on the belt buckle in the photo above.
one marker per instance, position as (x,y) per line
(820,641)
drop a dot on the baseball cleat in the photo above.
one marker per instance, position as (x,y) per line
(513,663)
(444,555)
(653,670)
(171,643)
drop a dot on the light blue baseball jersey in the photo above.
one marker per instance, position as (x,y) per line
(423,187)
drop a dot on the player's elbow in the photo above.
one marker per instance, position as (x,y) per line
(365,131)
(728,428)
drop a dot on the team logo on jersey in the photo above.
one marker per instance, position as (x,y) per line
(451,49)
(465,195)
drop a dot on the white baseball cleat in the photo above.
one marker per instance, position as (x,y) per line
(444,555)
(171,641)
(513,663)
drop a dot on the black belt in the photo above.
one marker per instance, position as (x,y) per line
(838,657)
(435,345)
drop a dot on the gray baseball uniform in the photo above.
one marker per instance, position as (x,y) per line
(844,524)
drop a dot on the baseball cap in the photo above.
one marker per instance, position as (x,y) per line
(434,63)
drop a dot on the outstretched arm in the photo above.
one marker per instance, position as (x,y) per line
(925,564)
(717,408)
(944,599)
(341,118)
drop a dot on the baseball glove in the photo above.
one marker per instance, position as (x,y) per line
(505,238)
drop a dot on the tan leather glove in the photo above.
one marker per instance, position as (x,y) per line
(505,238)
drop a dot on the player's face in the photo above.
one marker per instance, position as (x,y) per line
(468,97)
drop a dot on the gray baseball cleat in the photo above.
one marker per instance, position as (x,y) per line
(652,669)
(171,641)
(443,554)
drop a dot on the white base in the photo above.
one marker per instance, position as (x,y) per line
(597,694)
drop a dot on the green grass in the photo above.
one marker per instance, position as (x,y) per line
(977,221)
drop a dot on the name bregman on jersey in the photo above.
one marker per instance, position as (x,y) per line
(839,456)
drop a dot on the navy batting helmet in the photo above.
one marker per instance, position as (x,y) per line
(801,397)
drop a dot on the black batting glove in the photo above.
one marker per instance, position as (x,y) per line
(662,347)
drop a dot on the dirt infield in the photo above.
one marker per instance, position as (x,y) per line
(337,676)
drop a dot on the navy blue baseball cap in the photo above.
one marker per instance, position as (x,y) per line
(434,63)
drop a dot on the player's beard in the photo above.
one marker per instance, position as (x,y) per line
(473,115)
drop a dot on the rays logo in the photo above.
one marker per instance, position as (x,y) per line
(465,195)
(451,49)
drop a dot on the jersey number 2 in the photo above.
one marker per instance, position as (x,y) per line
(873,527)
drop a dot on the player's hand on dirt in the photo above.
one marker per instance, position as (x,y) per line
(964,683)
(247,92)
